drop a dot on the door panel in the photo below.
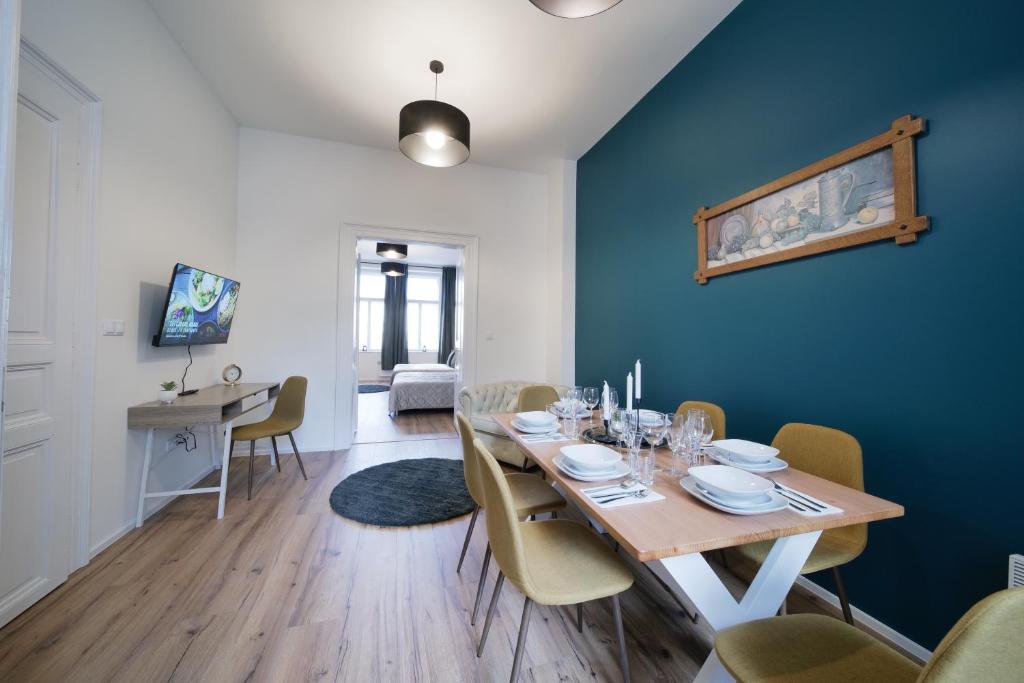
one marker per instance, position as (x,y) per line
(35,522)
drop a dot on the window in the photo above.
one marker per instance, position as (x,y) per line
(422,309)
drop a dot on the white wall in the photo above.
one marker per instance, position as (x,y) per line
(167,193)
(561,272)
(294,195)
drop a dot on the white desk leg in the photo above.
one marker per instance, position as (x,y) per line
(213,448)
(224,470)
(690,575)
(144,479)
(273,458)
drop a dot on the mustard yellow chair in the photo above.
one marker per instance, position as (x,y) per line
(716,414)
(553,561)
(536,397)
(289,409)
(531,495)
(986,644)
(836,456)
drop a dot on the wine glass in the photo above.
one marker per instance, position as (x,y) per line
(695,428)
(654,426)
(591,397)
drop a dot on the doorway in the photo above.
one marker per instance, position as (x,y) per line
(47,421)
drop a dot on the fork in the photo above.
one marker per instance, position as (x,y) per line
(796,496)
(632,494)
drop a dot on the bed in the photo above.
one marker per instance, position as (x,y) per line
(420,367)
(421,389)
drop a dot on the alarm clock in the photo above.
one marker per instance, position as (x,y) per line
(232,374)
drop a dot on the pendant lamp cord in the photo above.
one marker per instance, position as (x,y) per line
(435,87)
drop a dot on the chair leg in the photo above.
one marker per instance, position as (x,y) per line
(252,457)
(298,458)
(524,627)
(277,456)
(579,617)
(843,600)
(621,635)
(480,585)
(490,613)
(469,533)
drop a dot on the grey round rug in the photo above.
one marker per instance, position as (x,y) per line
(372,388)
(404,493)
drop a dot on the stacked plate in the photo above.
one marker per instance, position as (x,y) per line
(590,462)
(733,490)
(535,422)
(746,455)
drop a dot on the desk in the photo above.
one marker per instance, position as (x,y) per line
(669,535)
(209,407)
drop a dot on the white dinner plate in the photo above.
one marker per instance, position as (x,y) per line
(746,451)
(621,469)
(690,486)
(534,429)
(773,465)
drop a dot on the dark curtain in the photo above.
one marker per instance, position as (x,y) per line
(447,314)
(394,347)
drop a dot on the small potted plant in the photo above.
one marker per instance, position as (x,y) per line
(168,392)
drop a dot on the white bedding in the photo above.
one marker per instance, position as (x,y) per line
(420,367)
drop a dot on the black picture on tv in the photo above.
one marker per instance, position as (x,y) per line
(199,309)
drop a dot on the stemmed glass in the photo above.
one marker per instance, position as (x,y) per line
(676,435)
(591,397)
(697,422)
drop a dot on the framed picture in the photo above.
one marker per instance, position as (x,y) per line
(862,194)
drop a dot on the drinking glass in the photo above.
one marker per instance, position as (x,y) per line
(644,467)
(618,422)
(634,439)
(654,426)
(676,435)
(695,427)
(591,397)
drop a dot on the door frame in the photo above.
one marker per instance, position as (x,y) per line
(346,366)
(84,327)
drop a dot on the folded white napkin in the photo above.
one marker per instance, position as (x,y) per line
(600,493)
(798,503)
(545,438)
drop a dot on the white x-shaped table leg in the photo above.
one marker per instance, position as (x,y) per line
(691,577)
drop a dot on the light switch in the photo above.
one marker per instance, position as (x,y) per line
(112,328)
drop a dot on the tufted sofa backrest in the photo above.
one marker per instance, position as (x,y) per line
(496,397)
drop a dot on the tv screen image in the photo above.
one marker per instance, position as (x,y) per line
(199,309)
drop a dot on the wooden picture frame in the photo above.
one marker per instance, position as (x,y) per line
(765,226)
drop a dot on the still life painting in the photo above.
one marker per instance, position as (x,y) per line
(862,194)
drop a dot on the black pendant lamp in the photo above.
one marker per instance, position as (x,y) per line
(393,269)
(392,251)
(574,9)
(433,133)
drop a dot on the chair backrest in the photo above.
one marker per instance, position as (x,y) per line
(536,397)
(470,461)
(830,454)
(291,402)
(985,645)
(502,522)
(716,414)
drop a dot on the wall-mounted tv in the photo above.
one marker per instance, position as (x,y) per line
(199,308)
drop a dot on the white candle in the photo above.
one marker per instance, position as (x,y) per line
(604,402)
(637,369)
(629,391)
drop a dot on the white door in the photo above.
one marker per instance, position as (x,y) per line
(35,520)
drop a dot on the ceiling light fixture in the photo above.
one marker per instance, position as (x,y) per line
(392,251)
(574,9)
(433,133)
(393,269)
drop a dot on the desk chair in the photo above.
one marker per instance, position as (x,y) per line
(284,419)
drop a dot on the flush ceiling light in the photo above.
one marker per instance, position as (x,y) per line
(392,251)
(574,9)
(393,269)
(433,133)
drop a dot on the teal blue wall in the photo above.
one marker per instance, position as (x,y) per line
(915,350)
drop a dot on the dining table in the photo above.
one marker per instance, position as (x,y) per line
(670,535)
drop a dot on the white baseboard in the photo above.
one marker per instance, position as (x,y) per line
(919,652)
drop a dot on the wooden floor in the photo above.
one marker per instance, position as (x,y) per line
(376,426)
(283,589)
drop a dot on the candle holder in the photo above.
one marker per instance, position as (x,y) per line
(601,436)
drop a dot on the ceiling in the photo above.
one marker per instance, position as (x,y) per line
(419,254)
(535,87)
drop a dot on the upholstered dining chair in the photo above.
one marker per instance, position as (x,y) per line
(531,495)
(836,456)
(984,645)
(552,561)
(285,418)
(536,397)
(715,412)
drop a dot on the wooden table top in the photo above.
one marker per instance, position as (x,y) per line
(206,406)
(681,524)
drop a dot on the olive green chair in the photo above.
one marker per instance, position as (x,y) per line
(836,456)
(552,561)
(716,414)
(536,397)
(986,644)
(531,495)
(289,409)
